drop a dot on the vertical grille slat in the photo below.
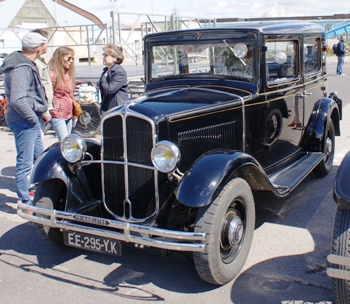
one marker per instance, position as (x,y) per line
(126,184)
(194,143)
(139,141)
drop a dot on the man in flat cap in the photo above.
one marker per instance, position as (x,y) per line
(25,106)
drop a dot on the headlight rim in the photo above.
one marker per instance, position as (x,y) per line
(175,151)
(81,144)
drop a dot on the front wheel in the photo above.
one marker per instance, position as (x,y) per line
(328,148)
(341,244)
(50,195)
(229,224)
(88,124)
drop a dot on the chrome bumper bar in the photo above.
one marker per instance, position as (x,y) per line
(117,230)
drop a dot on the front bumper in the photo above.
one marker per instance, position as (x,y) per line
(114,229)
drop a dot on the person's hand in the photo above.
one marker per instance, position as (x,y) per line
(46,117)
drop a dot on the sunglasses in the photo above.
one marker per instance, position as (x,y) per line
(70,58)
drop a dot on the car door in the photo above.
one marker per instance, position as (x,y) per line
(284,104)
(313,80)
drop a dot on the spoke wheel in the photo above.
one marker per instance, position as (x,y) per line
(229,223)
(88,124)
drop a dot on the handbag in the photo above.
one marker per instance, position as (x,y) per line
(77,110)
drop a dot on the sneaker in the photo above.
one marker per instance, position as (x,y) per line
(342,75)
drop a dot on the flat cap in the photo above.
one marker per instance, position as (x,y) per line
(32,40)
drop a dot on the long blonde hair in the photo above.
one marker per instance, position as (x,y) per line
(56,65)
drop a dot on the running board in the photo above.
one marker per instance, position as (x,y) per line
(285,180)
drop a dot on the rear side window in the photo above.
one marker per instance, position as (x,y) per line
(312,55)
(281,61)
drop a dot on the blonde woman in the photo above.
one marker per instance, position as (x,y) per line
(113,82)
(62,77)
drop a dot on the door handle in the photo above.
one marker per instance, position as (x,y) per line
(304,94)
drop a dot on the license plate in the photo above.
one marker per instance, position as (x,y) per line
(92,242)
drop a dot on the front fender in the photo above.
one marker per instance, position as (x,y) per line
(341,190)
(51,165)
(209,174)
(324,109)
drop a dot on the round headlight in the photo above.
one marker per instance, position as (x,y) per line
(165,156)
(73,148)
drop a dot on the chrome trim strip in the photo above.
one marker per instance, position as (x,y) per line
(133,233)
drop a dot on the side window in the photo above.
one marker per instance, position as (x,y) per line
(312,54)
(281,61)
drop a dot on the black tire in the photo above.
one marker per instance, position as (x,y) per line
(88,124)
(226,252)
(274,123)
(282,71)
(328,148)
(341,246)
(50,195)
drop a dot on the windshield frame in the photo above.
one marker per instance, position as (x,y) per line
(212,54)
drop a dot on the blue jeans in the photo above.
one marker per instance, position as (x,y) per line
(62,127)
(340,65)
(29,146)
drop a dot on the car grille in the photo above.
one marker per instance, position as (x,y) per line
(129,181)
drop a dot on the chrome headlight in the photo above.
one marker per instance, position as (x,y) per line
(165,156)
(73,148)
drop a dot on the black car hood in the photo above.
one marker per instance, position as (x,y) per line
(160,104)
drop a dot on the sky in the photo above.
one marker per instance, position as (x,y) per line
(193,8)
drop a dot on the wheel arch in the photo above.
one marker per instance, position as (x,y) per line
(210,173)
(325,109)
(51,166)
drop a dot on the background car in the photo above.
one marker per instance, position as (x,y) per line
(340,256)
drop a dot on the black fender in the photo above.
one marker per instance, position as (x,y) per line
(324,110)
(210,173)
(52,165)
(341,189)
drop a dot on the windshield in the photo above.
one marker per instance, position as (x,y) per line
(229,59)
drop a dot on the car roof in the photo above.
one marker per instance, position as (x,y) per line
(265,28)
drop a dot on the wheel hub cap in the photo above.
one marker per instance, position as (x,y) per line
(235,232)
(85,118)
(328,146)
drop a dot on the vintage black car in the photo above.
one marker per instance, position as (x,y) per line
(340,256)
(178,167)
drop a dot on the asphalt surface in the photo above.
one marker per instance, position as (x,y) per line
(286,264)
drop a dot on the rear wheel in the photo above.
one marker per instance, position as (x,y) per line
(50,195)
(229,223)
(88,124)
(328,147)
(341,245)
